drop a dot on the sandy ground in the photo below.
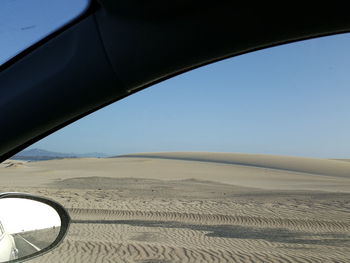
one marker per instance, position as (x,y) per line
(194,207)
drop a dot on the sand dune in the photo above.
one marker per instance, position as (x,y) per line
(194,207)
(329,167)
(284,173)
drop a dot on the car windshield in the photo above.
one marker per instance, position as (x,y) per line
(243,160)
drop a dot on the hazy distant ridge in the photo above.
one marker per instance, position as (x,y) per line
(39,154)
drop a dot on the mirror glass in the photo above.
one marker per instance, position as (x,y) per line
(23,22)
(26,227)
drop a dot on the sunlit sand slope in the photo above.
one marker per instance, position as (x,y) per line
(331,167)
(252,171)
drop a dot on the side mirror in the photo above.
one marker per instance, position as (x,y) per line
(29,226)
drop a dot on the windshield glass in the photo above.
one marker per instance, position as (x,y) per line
(244,160)
(23,22)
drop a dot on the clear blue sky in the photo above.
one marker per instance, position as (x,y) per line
(289,100)
(24,22)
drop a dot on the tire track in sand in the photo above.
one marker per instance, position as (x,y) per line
(107,216)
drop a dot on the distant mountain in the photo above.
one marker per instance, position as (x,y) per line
(40,155)
(40,152)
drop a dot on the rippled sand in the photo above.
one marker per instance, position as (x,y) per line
(195,207)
